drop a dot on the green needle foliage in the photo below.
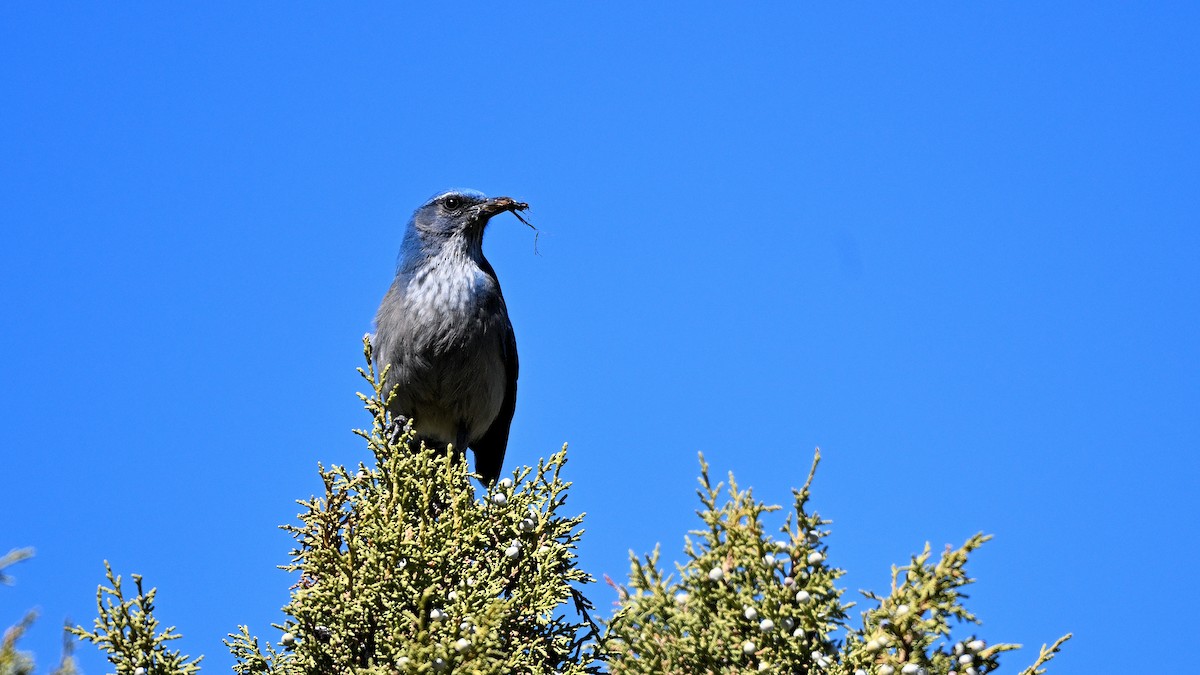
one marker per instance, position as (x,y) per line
(404,566)
(128,632)
(748,602)
(743,602)
(12,660)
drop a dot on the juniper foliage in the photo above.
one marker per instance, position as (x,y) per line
(12,660)
(403,567)
(748,602)
(128,632)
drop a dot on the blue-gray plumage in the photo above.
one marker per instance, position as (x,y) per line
(444,330)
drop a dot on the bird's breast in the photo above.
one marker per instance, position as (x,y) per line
(450,351)
(456,292)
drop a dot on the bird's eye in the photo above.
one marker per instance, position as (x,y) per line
(452,203)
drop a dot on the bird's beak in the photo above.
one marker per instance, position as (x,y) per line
(499,205)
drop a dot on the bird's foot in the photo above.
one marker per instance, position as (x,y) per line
(397,428)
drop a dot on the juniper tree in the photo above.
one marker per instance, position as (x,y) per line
(403,567)
(12,660)
(745,601)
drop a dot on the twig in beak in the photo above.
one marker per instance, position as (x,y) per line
(516,209)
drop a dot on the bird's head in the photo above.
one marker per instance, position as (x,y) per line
(460,212)
(453,218)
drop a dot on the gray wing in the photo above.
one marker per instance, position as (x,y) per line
(389,325)
(489,449)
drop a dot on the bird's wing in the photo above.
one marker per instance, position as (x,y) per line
(489,449)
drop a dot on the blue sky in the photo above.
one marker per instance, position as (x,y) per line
(955,246)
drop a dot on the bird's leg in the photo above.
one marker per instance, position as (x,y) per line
(460,442)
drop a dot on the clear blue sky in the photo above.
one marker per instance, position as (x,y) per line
(955,246)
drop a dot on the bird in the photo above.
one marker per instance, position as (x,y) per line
(443,328)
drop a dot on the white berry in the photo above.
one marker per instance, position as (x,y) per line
(748,648)
(750,613)
(681,597)
(815,557)
(462,645)
(499,499)
(766,625)
(803,597)
(716,574)
(976,645)
(505,483)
